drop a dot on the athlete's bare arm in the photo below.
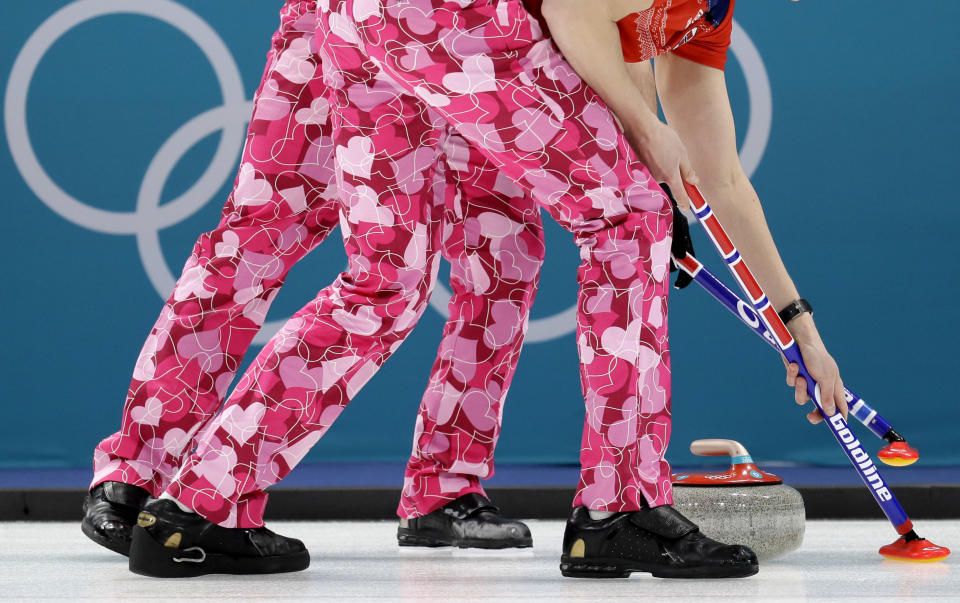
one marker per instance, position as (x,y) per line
(586,33)
(642,76)
(695,103)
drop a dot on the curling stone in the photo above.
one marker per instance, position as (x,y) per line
(742,505)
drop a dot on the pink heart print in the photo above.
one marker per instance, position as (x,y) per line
(357,157)
(148,414)
(477,76)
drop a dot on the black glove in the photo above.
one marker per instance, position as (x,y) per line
(682,244)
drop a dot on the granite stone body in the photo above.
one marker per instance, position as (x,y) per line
(768,519)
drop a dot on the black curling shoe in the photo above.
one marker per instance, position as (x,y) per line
(660,541)
(470,521)
(109,513)
(169,543)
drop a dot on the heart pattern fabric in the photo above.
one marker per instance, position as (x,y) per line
(285,202)
(483,69)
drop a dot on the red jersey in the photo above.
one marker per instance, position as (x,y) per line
(697,30)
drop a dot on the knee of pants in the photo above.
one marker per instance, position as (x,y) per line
(504,269)
(389,300)
(633,226)
(508,249)
(519,264)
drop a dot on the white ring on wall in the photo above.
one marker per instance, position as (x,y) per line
(18,136)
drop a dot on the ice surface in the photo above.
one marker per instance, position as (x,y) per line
(360,561)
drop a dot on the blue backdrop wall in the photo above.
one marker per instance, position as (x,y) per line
(136,108)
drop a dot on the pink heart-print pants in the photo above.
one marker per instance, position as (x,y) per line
(401,74)
(284,203)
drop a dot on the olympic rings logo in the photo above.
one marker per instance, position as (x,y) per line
(149,217)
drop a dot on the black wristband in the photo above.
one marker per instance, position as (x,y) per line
(795,309)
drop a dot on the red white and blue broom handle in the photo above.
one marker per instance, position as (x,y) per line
(739,308)
(788,347)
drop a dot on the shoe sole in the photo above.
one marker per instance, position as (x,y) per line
(406,537)
(618,568)
(117,547)
(150,558)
